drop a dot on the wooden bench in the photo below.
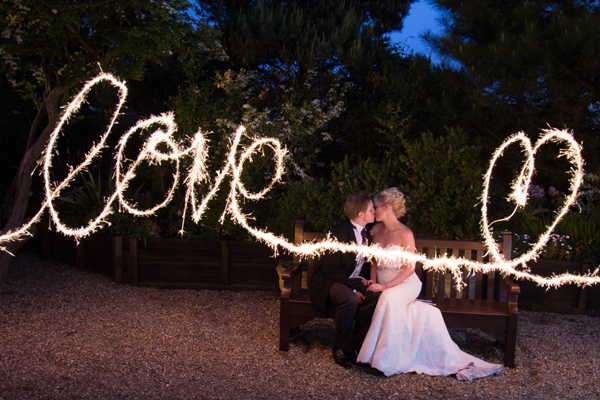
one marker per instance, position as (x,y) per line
(487,302)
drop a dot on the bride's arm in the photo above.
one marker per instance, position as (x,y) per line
(374,271)
(401,277)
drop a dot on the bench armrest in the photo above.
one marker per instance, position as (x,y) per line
(510,294)
(292,278)
(512,289)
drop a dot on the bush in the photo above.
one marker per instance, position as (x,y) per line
(443,181)
(320,202)
(440,177)
(575,236)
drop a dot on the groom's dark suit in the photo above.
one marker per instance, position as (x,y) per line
(330,286)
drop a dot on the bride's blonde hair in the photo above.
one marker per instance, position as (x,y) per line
(393,197)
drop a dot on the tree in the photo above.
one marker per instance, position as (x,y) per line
(318,39)
(51,47)
(532,63)
(309,33)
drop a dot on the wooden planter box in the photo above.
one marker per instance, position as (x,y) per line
(234,265)
(169,263)
(566,298)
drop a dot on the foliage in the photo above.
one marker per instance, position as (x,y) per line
(312,35)
(576,235)
(47,44)
(323,38)
(532,63)
(440,177)
(293,109)
(49,48)
(320,202)
(443,180)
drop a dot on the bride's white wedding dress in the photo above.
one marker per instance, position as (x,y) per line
(408,335)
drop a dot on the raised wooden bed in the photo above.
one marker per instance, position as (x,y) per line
(234,265)
(169,263)
(564,299)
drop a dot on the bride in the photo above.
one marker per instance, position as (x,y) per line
(408,335)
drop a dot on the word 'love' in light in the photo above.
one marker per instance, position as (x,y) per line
(238,156)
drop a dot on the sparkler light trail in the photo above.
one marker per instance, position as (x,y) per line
(239,155)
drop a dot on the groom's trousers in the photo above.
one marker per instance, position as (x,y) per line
(352,319)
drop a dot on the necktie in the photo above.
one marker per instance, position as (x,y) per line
(364,235)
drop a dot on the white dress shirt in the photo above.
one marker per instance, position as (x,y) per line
(360,260)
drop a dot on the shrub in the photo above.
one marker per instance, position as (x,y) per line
(443,180)
(320,202)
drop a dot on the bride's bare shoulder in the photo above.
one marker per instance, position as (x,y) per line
(404,230)
(404,237)
(408,240)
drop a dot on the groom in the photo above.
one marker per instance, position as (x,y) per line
(337,282)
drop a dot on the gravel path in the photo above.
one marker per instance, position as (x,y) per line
(79,335)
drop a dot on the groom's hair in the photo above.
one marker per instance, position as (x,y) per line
(357,202)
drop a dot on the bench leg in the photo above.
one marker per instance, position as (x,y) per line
(284,341)
(284,326)
(511,341)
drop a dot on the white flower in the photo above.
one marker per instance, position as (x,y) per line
(54,11)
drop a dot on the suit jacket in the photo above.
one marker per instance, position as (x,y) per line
(334,267)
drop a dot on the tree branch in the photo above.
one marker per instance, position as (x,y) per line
(19,189)
(35,124)
(83,43)
(579,80)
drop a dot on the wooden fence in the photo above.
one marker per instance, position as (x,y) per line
(236,265)
(567,298)
(169,263)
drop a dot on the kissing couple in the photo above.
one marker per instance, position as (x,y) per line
(378,321)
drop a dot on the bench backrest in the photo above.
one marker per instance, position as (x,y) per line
(436,285)
(302,236)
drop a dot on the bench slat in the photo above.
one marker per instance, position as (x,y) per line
(491,285)
(429,283)
(465,306)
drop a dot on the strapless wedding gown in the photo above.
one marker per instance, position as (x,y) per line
(408,335)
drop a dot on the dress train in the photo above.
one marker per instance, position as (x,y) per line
(408,335)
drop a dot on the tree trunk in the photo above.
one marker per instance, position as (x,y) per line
(23,179)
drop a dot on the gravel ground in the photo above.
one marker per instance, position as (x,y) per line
(79,335)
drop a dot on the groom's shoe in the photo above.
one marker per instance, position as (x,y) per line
(342,358)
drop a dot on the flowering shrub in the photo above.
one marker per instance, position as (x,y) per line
(588,249)
(536,191)
(558,247)
(589,197)
(575,236)
(292,106)
(521,243)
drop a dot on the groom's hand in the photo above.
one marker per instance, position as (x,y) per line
(368,282)
(360,296)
